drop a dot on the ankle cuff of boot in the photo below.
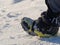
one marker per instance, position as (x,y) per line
(51,19)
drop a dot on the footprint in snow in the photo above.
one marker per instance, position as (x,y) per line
(16,1)
(13,14)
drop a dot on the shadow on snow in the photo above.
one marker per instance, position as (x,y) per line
(52,40)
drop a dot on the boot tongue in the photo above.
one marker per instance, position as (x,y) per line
(34,26)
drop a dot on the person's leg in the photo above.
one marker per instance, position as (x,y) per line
(50,16)
(54,5)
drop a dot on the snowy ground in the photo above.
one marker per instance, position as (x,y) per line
(11,13)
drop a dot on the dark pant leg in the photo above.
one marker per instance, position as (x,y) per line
(50,17)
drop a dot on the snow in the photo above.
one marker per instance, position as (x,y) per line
(11,13)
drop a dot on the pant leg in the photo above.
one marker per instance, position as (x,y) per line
(54,5)
(52,16)
(51,12)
